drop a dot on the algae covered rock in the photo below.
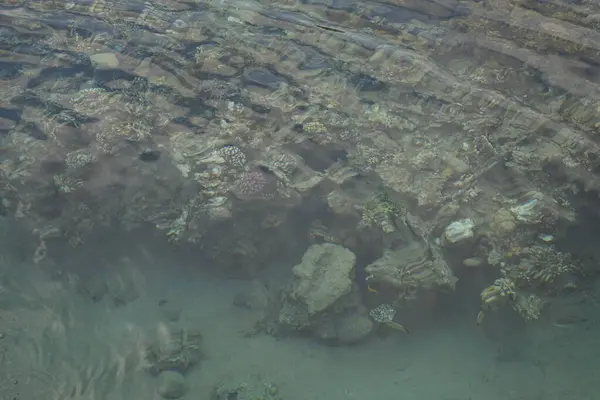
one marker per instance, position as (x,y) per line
(323,277)
(410,269)
(321,292)
(176,350)
(459,230)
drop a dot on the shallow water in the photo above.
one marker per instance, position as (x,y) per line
(165,164)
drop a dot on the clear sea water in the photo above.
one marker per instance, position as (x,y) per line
(164,164)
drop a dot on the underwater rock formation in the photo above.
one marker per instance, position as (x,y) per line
(176,350)
(409,270)
(324,276)
(476,129)
(323,299)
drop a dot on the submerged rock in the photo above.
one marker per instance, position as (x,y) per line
(171,385)
(170,310)
(459,230)
(178,350)
(323,277)
(323,299)
(353,329)
(253,387)
(106,60)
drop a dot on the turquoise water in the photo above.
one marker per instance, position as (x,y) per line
(299,200)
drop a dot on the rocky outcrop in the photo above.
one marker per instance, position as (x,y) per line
(323,299)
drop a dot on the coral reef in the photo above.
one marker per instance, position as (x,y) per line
(415,145)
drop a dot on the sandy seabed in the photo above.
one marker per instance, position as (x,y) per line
(59,344)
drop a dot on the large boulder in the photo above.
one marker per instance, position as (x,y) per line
(324,276)
(323,299)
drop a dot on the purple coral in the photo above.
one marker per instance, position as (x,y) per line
(255,185)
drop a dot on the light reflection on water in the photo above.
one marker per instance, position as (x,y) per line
(163,160)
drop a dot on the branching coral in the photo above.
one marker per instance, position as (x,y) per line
(539,266)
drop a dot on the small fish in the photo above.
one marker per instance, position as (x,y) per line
(371,290)
(569,321)
(480,316)
(397,326)
(329,28)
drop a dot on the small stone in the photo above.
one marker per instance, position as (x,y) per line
(272,389)
(96,289)
(125,296)
(106,60)
(254,297)
(459,230)
(354,328)
(530,210)
(456,164)
(504,222)
(171,385)
(170,310)
(149,155)
(472,262)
